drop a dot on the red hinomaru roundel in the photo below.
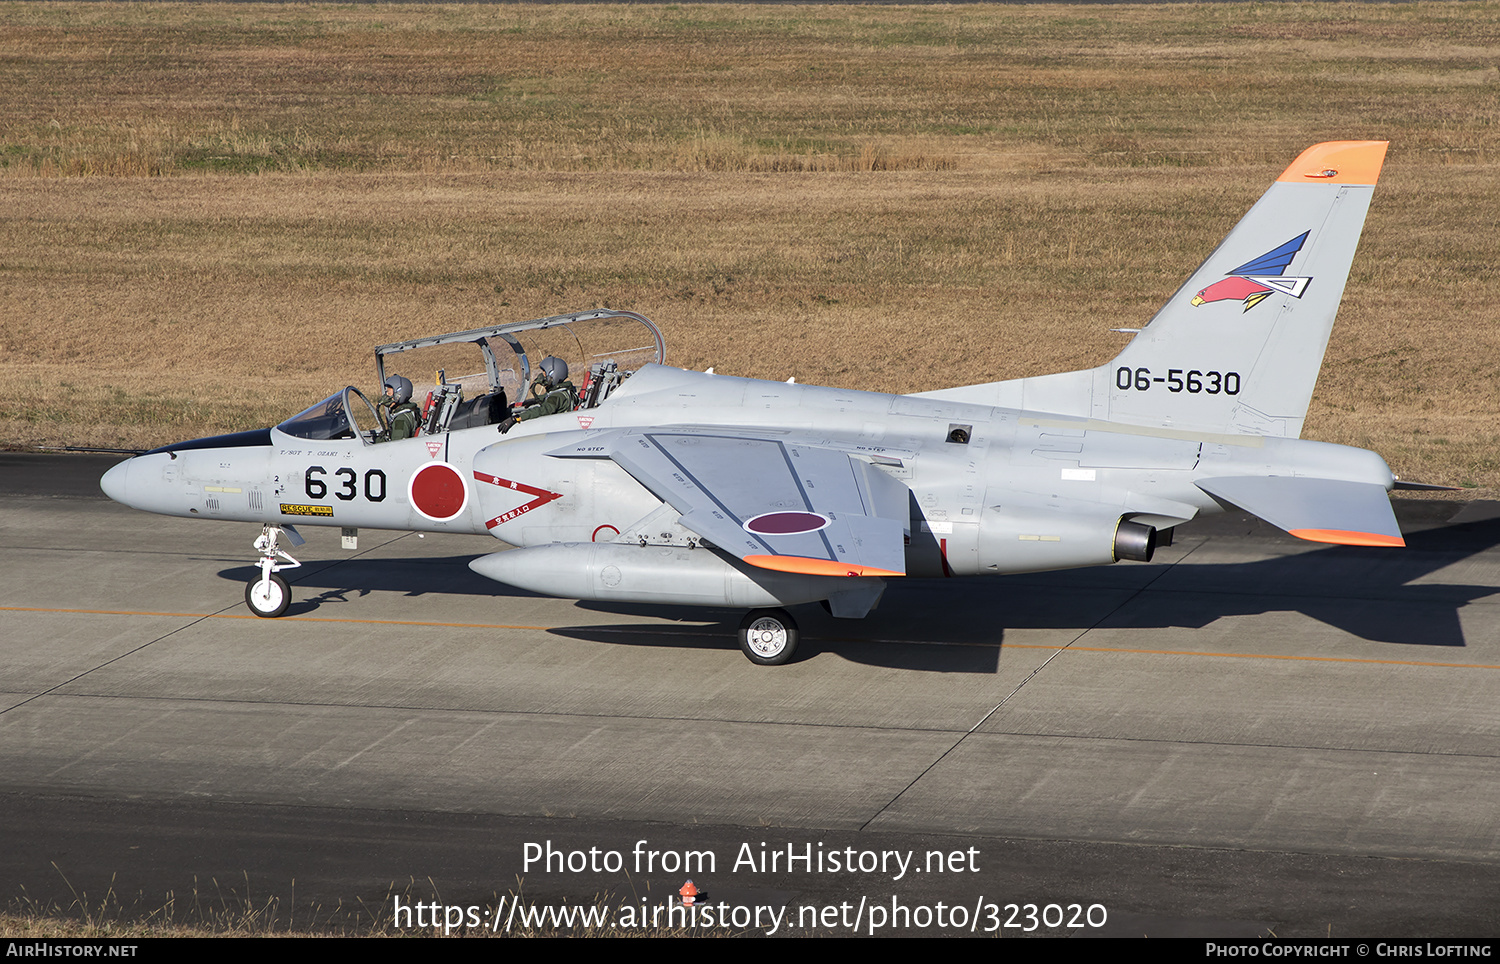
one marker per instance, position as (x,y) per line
(437,491)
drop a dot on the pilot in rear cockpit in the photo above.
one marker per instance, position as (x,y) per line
(559,394)
(399,415)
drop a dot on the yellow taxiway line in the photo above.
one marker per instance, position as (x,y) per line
(908,642)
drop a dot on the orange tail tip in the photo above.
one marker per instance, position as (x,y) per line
(1338,162)
(816,567)
(1342,537)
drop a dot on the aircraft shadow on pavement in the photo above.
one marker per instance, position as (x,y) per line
(820,634)
(1379,595)
(347,580)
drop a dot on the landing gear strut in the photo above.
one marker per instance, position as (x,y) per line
(268,595)
(768,637)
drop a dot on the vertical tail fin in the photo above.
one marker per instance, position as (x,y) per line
(1237,349)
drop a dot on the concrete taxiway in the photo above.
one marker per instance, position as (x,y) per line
(1275,706)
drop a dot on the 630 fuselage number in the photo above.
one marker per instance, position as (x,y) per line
(347,487)
(1177,380)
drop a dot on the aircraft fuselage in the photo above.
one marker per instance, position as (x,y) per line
(993,490)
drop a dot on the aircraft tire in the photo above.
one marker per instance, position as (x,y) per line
(768,637)
(268,598)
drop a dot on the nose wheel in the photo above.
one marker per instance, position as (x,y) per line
(268,597)
(768,637)
(268,594)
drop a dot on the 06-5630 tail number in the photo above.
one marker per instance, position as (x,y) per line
(1177,380)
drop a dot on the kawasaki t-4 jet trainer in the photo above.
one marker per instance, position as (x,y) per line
(648,484)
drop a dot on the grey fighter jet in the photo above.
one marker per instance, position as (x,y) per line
(650,484)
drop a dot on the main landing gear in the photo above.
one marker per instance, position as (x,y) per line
(268,594)
(768,637)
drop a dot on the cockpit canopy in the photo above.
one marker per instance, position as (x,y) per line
(469,379)
(344,414)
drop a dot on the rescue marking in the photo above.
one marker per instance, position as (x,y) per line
(289,509)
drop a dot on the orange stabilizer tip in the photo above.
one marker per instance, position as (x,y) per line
(817,567)
(1338,162)
(1343,537)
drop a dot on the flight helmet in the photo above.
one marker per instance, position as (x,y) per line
(401,388)
(554,370)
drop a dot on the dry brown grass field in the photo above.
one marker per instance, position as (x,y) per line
(212,212)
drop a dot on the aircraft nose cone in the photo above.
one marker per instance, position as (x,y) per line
(116,482)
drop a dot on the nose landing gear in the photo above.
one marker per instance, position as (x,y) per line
(268,595)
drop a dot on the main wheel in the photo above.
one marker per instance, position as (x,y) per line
(268,597)
(768,637)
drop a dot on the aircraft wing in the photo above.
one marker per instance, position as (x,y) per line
(774,502)
(1318,510)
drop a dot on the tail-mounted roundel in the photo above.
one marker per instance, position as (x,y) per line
(1258,278)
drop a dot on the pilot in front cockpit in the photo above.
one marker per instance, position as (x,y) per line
(399,415)
(559,394)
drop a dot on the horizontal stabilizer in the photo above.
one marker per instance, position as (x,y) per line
(1318,510)
(1426,487)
